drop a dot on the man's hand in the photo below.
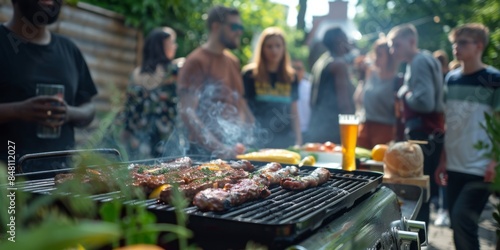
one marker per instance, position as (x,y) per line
(440,176)
(489,175)
(46,110)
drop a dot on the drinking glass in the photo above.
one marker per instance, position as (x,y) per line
(348,136)
(57,90)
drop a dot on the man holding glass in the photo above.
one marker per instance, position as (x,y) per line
(44,82)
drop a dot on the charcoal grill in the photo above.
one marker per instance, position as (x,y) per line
(286,219)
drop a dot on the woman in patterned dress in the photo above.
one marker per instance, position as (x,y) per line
(150,109)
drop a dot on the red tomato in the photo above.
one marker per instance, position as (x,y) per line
(329,146)
(311,146)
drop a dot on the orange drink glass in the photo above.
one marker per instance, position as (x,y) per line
(348,136)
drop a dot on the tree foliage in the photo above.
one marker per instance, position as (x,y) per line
(188,17)
(433,19)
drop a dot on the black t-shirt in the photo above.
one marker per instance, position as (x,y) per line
(22,66)
(270,103)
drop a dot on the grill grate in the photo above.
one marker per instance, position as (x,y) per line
(284,215)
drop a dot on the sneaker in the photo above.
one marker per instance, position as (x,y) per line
(442,219)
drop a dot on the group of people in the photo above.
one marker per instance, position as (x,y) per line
(445,109)
(223,108)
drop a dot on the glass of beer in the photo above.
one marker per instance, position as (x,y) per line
(348,136)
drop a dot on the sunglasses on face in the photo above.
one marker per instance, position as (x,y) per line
(236,27)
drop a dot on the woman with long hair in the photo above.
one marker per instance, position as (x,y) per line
(377,97)
(271,90)
(150,108)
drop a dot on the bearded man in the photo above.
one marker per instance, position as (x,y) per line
(210,90)
(31,55)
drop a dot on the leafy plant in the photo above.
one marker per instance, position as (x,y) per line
(74,220)
(492,128)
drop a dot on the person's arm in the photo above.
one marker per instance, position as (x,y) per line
(82,111)
(245,110)
(188,104)
(82,115)
(296,124)
(421,93)
(359,92)
(37,109)
(9,112)
(344,99)
(440,175)
(248,95)
(489,174)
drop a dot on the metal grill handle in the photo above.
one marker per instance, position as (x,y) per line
(417,226)
(405,239)
(64,153)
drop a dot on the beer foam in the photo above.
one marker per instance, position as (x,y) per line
(349,122)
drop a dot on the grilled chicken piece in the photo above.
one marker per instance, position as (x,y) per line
(220,199)
(316,178)
(270,167)
(150,177)
(242,164)
(178,164)
(277,176)
(180,172)
(209,179)
(96,180)
(87,177)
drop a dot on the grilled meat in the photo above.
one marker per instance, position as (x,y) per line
(242,164)
(220,199)
(316,178)
(275,177)
(150,177)
(182,172)
(90,175)
(178,164)
(204,177)
(96,180)
(270,167)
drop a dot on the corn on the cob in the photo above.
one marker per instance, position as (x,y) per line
(282,151)
(272,155)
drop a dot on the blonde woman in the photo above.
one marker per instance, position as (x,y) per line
(271,90)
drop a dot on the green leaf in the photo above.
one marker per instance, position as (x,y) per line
(62,236)
(110,211)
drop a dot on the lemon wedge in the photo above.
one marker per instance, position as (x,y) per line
(156,192)
(307,161)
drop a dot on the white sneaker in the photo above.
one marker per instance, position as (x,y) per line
(442,219)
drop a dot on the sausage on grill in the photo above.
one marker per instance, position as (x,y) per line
(316,178)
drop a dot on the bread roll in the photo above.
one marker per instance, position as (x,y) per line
(404,159)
